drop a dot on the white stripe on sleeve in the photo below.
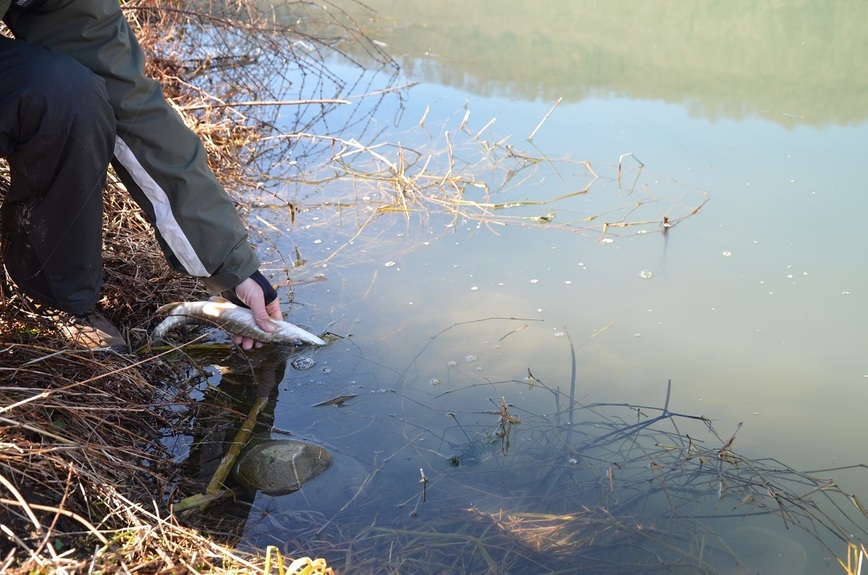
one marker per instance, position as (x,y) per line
(166,222)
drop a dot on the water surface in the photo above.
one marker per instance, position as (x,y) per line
(750,124)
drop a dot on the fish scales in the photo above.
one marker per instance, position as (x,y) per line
(232,319)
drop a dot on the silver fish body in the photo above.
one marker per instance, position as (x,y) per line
(232,319)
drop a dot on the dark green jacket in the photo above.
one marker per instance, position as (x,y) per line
(160,160)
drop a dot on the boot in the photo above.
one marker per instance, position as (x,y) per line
(90,331)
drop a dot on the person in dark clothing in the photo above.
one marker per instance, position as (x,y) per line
(73,99)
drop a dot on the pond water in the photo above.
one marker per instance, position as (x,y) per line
(743,124)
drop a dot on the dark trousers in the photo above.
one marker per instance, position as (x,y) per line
(57,132)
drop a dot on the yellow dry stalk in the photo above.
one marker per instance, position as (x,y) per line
(856,554)
(300,566)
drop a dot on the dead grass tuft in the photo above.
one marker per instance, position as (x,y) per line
(85,482)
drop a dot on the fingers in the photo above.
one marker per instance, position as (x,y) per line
(251,294)
(273,310)
(246,343)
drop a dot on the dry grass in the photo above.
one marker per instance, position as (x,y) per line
(85,483)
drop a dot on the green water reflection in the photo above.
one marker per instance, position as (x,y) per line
(787,61)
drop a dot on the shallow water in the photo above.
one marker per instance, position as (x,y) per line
(752,306)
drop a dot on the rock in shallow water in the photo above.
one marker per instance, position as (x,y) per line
(280,465)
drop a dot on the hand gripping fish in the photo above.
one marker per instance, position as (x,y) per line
(232,319)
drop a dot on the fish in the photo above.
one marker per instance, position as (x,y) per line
(231,318)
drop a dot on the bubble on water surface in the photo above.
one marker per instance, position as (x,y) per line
(435,381)
(534,281)
(470,357)
(390,263)
(303,363)
(452,363)
(646,274)
(727,253)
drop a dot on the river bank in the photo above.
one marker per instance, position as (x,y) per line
(86,482)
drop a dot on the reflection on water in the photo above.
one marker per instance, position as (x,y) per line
(788,62)
(450,475)
(751,306)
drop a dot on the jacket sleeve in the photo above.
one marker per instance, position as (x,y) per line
(161,161)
